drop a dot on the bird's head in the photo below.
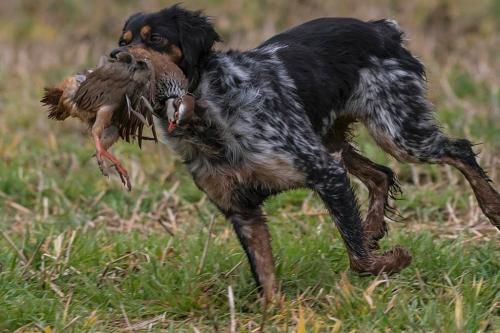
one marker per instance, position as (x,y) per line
(179,110)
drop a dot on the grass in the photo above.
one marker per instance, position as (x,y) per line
(79,254)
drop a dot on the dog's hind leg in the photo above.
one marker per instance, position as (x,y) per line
(327,175)
(391,103)
(459,154)
(440,149)
(380,181)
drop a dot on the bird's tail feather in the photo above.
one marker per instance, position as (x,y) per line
(51,98)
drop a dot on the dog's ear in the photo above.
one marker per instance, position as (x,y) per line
(196,38)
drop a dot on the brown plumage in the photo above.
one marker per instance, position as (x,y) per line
(114,99)
(171,100)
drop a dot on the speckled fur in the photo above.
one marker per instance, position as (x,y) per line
(277,117)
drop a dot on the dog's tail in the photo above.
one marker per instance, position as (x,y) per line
(390,30)
(393,38)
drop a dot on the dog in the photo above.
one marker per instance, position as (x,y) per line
(277,117)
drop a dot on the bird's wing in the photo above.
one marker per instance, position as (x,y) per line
(135,115)
(104,86)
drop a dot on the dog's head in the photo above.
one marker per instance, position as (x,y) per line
(187,37)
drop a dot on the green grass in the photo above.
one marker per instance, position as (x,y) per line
(80,254)
(92,279)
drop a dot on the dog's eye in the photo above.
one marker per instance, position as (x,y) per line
(157,38)
(122,42)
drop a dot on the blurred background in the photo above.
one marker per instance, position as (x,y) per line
(50,184)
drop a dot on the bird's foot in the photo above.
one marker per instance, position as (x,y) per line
(103,154)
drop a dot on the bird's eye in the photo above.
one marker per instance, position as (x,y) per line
(142,64)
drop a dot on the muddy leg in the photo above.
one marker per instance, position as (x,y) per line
(459,154)
(327,176)
(427,144)
(381,183)
(391,102)
(252,232)
(380,180)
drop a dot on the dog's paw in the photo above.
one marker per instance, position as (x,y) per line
(390,262)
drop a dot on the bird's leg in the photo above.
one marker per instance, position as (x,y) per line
(108,137)
(102,123)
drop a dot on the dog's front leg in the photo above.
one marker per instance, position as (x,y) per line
(251,229)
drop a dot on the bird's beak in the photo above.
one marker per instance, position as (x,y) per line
(171,114)
(179,111)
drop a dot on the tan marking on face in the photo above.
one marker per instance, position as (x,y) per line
(145,32)
(175,54)
(128,36)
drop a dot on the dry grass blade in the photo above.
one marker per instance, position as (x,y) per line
(301,321)
(459,315)
(125,316)
(148,324)
(391,303)
(56,289)
(19,253)
(232,309)
(19,207)
(235,267)
(207,243)
(367,293)
(108,266)
(68,325)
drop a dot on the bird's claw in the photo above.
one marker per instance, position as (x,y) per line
(122,172)
(102,167)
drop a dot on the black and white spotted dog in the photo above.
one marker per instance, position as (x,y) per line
(277,117)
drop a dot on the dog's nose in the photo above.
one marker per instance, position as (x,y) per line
(117,51)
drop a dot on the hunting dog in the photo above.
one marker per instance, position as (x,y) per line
(277,117)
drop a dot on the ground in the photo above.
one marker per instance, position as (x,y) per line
(79,253)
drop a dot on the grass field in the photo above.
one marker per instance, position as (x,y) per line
(80,254)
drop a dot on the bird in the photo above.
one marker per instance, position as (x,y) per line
(118,98)
(101,97)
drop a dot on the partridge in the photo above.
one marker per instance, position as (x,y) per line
(96,95)
(115,99)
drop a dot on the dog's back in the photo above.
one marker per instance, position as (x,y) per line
(324,58)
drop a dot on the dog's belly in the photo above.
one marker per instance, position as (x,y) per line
(266,174)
